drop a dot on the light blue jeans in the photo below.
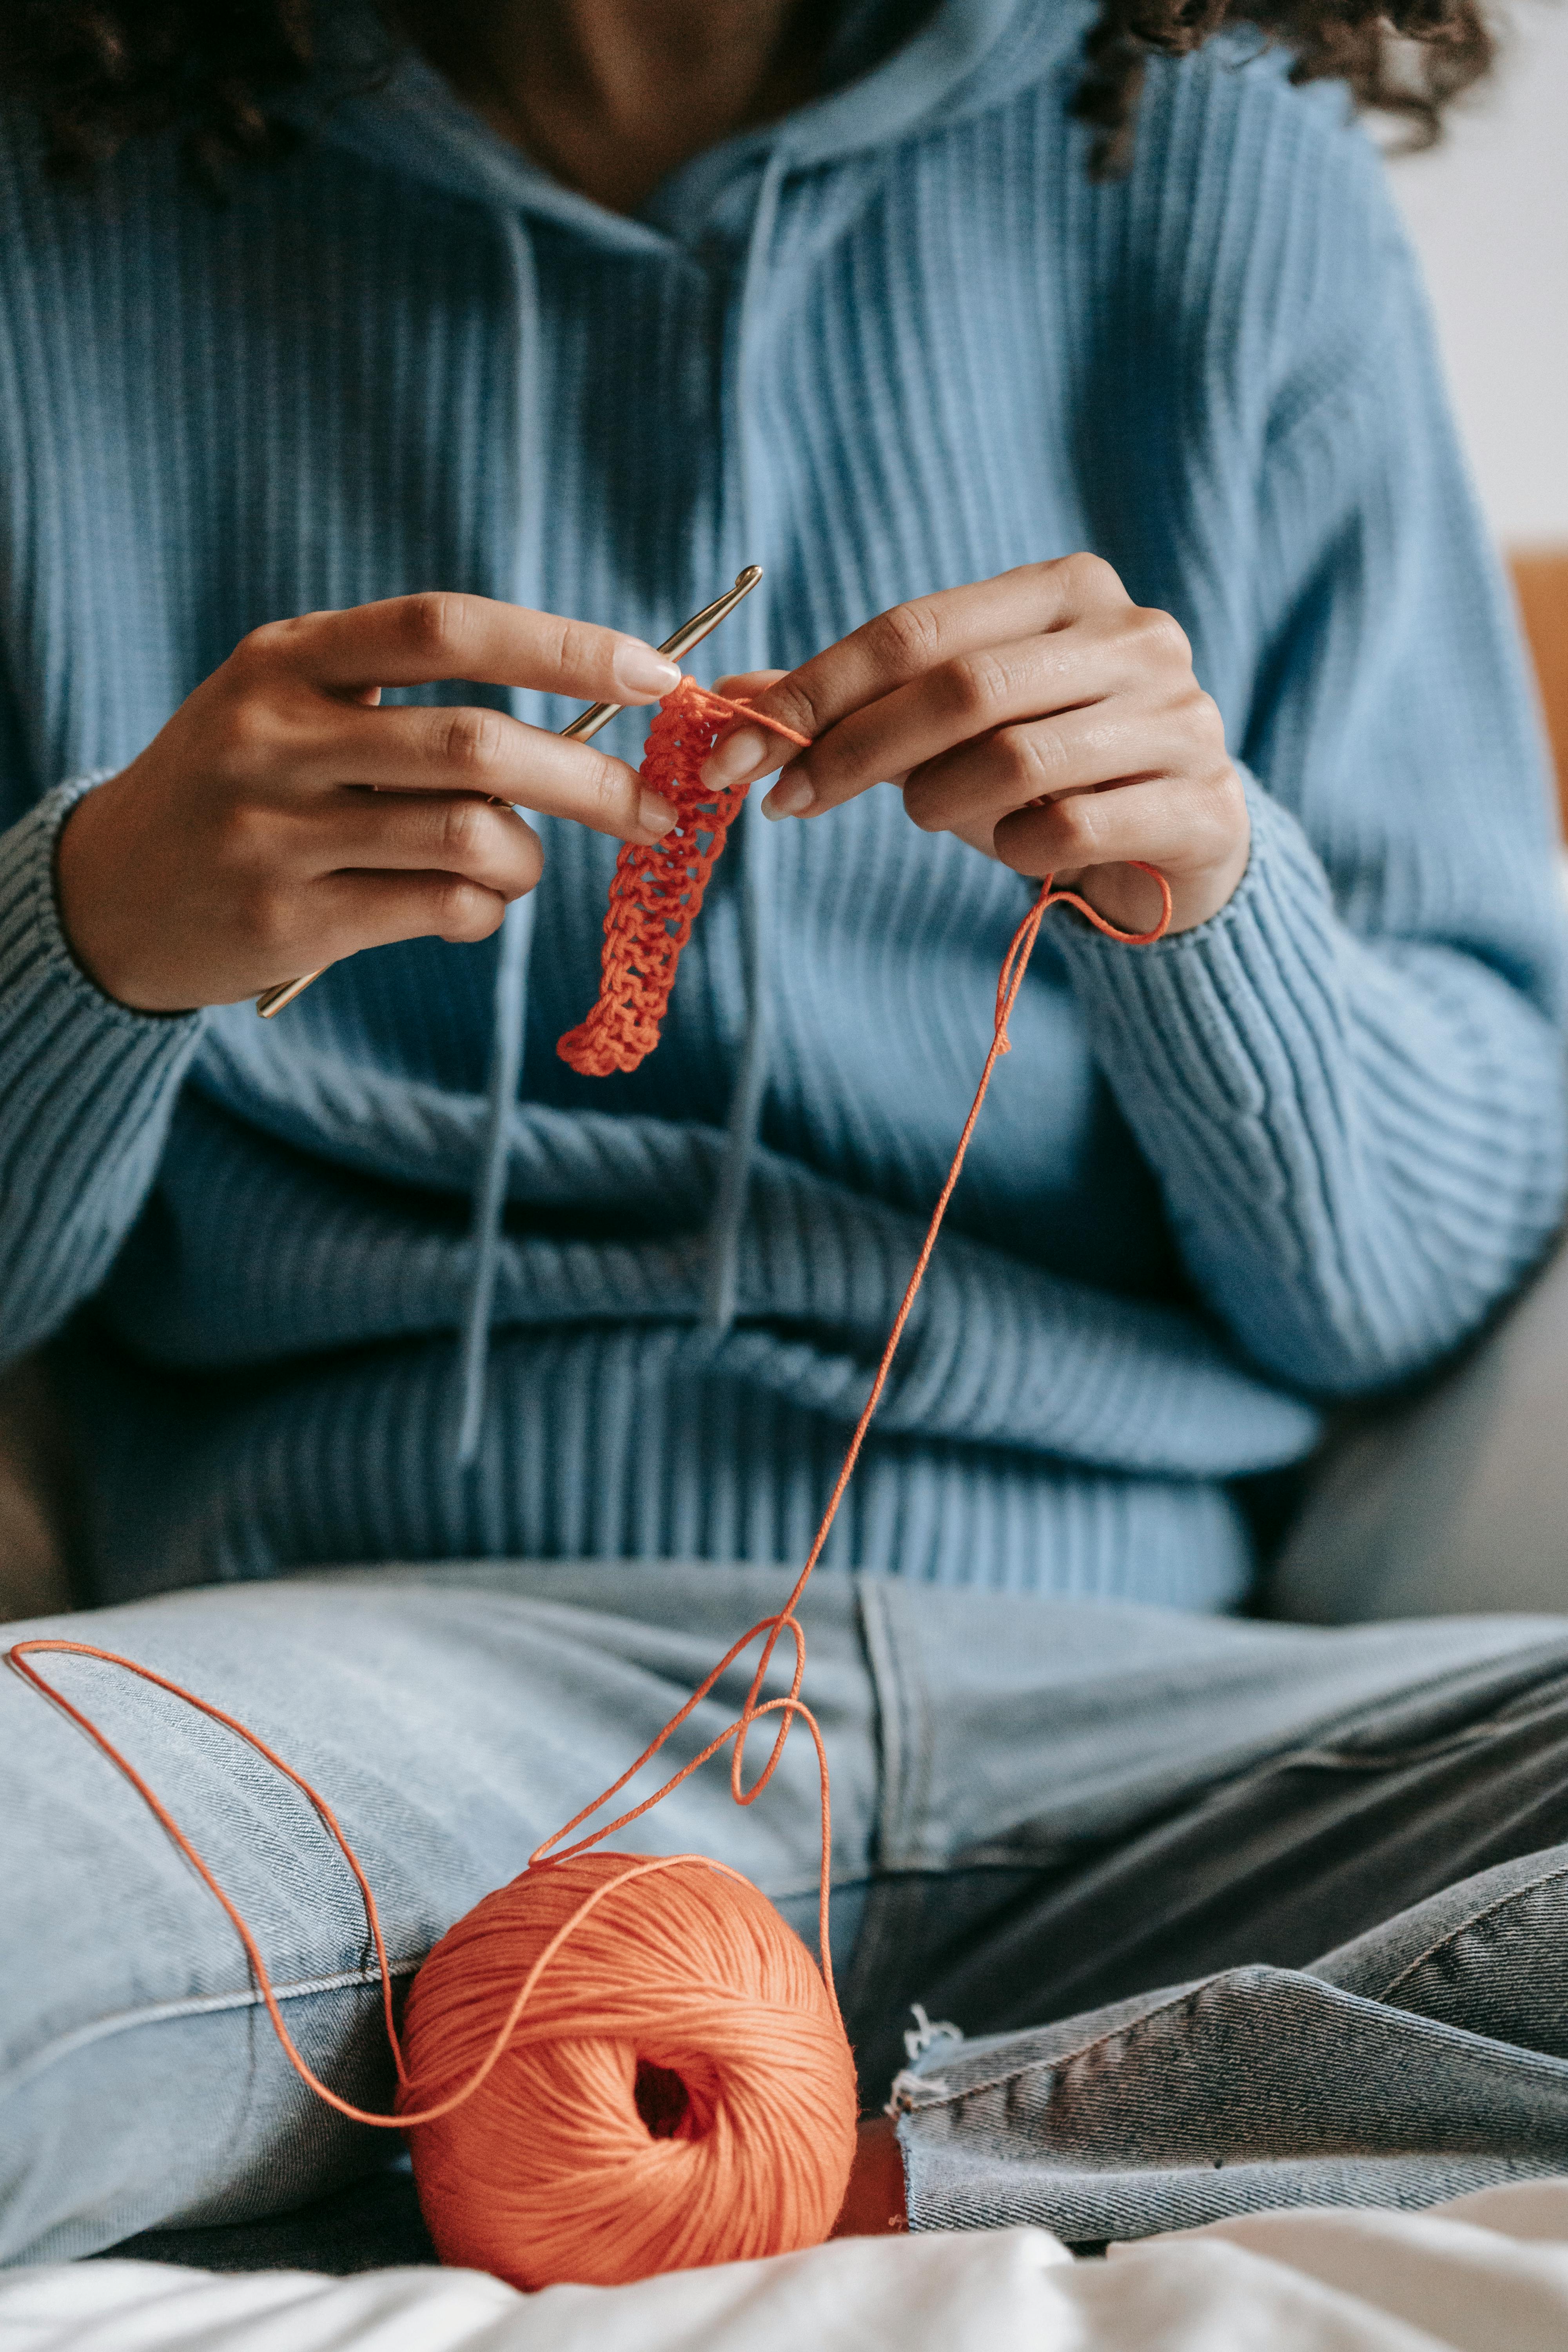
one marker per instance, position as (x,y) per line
(1111,1844)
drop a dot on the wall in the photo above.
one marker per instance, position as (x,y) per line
(1488,210)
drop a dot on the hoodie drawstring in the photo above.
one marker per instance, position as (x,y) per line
(755,843)
(509,1028)
(489,1192)
(720,1286)
(722,1276)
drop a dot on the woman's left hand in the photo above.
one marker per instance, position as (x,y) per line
(1042,717)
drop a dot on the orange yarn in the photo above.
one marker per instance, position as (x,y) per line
(682,2095)
(536,2099)
(684,2092)
(655,893)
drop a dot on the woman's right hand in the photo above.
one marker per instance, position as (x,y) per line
(282,819)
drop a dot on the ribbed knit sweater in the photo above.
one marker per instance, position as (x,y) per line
(894,343)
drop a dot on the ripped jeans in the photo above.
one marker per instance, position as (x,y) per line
(1212,1915)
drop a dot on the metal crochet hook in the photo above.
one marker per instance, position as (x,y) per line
(581,729)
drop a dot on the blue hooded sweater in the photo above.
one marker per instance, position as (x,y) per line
(896,342)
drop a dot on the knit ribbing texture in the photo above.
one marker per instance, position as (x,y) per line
(1293,1155)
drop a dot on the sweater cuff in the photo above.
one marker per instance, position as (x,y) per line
(1203,1018)
(63,1043)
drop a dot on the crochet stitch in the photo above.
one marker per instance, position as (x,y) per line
(657,893)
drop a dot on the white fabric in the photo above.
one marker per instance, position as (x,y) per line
(1471,2276)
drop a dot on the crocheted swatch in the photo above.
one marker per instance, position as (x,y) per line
(657,891)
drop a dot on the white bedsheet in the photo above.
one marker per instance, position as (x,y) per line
(1486,2273)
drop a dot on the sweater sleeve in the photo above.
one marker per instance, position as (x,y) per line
(1350,1083)
(86,1087)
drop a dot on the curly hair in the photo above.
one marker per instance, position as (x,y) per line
(1401,58)
(100,73)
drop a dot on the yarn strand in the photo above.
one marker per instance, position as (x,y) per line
(18,1654)
(1014,964)
(647,923)
(552,1849)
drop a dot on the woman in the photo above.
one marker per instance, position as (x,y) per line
(570,311)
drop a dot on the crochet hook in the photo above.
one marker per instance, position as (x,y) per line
(581,729)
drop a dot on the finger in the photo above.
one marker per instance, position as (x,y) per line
(346,913)
(904,643)
(741,749)
(981,780)
(436,748)
(1178,825)
(1105,657)
(445,834)
(421,640)
(351,912)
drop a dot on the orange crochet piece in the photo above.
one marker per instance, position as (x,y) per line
(657,891)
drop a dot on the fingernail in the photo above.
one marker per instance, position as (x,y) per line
(791,797)
(640,671)
(655,816)
(735,757)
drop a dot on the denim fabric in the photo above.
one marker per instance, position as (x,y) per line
(890,341)
(1042,1810)
(371,2224)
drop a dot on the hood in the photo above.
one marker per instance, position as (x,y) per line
(963,58)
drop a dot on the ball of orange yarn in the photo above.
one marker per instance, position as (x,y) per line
(677,2091)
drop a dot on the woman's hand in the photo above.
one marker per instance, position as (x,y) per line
(1042,717)
(282,820)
